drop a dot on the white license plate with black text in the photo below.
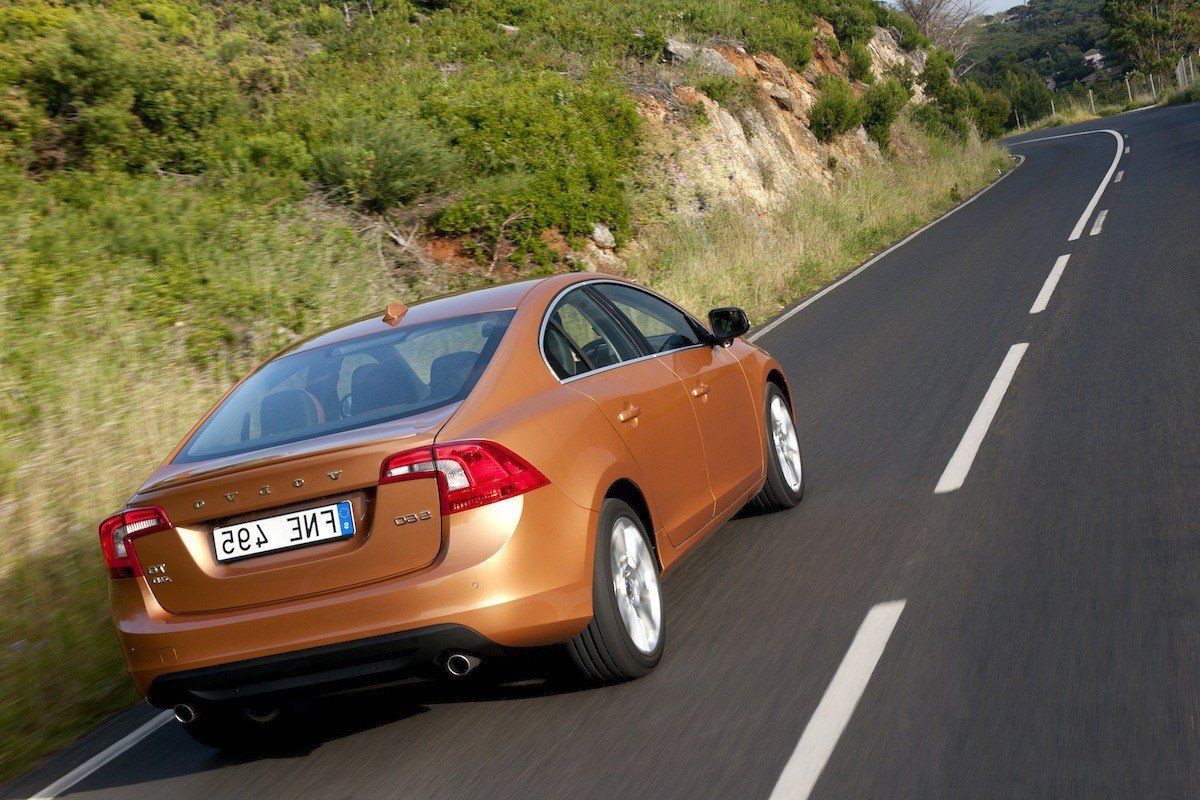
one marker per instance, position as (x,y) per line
(283,532)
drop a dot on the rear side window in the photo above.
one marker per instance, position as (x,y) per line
(663,325)
(581,336)
(352,384)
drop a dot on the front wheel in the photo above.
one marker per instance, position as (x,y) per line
(784,487)
(625,638)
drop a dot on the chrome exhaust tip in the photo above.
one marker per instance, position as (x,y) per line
(459,665)
(184,713)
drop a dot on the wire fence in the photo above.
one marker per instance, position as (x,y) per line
(1185,70)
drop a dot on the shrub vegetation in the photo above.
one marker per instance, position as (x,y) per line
(860,63)
(883,103)
(836,110)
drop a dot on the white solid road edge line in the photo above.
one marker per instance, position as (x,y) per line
(797,309)
(103,757)
(837,705)
(960,463)
(1043,298)
(1099,224)
(1077,231)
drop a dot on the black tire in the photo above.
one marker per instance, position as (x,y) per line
(605,651)
(777,494)
(230,728)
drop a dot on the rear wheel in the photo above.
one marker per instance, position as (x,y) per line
(625,638)
(784,486)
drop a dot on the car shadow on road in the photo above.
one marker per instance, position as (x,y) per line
(314,723)
(169,754)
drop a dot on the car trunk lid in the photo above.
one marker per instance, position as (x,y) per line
(397,526)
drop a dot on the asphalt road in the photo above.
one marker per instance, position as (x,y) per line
(1049,641)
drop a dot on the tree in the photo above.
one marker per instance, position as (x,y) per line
(1152,34)
(949,24)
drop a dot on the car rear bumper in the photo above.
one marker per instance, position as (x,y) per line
(517,573)
(337,667)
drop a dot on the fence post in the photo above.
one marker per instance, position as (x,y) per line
(1092,100)
(1128,91)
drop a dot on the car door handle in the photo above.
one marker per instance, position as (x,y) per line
(700,390)
(631,412)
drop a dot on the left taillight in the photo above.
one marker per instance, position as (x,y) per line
(117,530)
(470,474)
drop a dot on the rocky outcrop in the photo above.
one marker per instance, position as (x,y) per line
(705,58)
(888,55)
(757,149)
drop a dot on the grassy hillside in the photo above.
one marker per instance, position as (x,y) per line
(185,186)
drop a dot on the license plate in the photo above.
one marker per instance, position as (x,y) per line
(284,532)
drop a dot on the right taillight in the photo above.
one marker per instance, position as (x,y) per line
(117,531)
(470,473)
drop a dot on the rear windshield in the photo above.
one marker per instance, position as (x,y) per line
(352,384)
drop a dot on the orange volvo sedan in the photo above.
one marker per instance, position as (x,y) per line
(421,491)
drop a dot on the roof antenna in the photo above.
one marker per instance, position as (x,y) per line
(394,313)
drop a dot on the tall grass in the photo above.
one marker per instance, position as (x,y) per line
(123,312)
(1078,111)
(735,256)
(1186,94)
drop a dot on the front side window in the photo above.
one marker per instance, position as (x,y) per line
(581,336)
(351,384)
(664,326)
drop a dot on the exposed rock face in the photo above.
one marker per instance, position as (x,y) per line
(603,237)
(706,58)
(886,54)
(762,150)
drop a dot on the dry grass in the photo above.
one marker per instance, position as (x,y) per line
(735,257)
(1073,113)
(102,407)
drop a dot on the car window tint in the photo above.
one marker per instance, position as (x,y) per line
(664,326)
(351,384)
(595,335)
(564,359)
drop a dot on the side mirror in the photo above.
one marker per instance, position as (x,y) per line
(728,324)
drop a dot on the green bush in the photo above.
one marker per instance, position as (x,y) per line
(854,21)
(734,92)
(113,93)
(860,63)
(1188,94)
(989,110)
(547,151)
(380,163)
(836,111)
(945,114)
(787,37)
(883,102)
(911,37)
(903,73)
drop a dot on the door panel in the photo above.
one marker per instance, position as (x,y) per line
(714,383)
(652,412)
(728,417)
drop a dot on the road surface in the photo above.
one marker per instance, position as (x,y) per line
(992,589)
